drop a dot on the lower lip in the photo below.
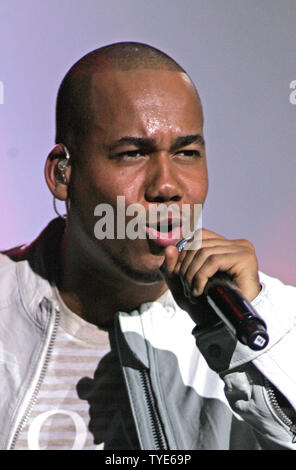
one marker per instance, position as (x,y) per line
(164,238)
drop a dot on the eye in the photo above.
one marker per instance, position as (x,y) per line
(189,153)
(130,155)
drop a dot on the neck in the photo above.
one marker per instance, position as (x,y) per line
(93,295)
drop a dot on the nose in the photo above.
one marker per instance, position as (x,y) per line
(163,182)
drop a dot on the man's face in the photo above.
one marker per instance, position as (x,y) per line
(139,146)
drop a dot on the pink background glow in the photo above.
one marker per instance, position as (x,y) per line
(242,57)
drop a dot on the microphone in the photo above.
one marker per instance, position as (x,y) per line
(229,304)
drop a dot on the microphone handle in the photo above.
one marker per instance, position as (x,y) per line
(235,311)
(229,304)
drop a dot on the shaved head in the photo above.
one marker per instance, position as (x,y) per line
(74,110)
(132,121)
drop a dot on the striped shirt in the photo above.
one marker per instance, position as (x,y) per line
(82,403)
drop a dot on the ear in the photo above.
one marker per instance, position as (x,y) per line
(57,171)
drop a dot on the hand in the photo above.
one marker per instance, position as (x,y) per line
(188,272)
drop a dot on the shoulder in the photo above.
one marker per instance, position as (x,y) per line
(275,289)
(8,275)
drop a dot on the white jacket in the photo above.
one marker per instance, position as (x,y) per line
(182,397)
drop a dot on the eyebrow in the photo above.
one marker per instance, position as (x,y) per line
(183,141)
(150,143)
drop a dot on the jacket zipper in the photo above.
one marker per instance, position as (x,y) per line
(155,422)
(158,435)
(272,399)
(52,335)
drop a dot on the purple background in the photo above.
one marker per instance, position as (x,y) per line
(241,55)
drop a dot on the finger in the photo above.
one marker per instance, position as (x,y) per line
(173,281)
(188,255)
(194,262)
(172,267)
(241,266)
(209,236)
(213,264)
(171,258)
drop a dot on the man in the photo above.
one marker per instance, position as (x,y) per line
(90,335)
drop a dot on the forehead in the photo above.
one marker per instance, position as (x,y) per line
(143,101)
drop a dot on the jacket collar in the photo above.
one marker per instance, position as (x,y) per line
(34,265)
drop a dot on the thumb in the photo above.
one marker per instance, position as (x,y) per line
(169,270)
(171,256)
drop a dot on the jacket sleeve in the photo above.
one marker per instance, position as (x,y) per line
(261,385)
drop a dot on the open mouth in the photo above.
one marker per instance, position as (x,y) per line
(164,232)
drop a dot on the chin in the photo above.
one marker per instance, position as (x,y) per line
(139,269)
(146,270)
(141,275)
